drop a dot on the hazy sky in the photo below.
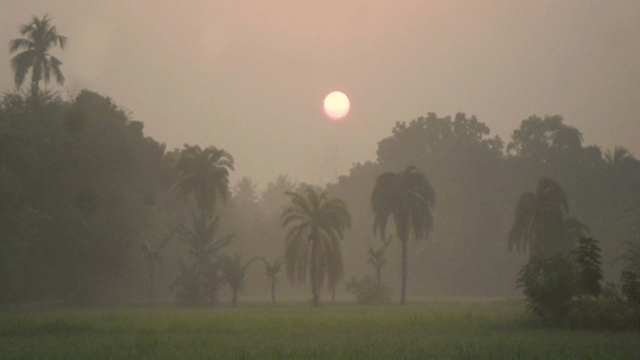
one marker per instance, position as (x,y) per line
(250,76)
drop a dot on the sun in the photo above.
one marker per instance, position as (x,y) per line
(336,106)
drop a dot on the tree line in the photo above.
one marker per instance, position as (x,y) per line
(92,210)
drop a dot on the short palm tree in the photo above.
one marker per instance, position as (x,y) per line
(271,271)
(205,175)
(316,225)
(153,258)
(39,37)
(409,198)
(377,259)
(541,222)
(204,245)
(234,272)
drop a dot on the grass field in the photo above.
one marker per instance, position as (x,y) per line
(421,330)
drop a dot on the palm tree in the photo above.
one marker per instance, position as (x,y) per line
(409,198)
(271,271)
(39,37)
(541,222)
(616,158)
(234,272)
(205,174)
(316,224)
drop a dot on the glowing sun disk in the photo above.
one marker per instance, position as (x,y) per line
(336,105)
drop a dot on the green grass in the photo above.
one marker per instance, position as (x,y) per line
(422,330)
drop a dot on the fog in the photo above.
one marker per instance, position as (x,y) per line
(447,86)
(250,76)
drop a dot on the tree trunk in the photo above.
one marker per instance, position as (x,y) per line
(273,291)
(403,281)
(151,280)
(234,300)
(314,275)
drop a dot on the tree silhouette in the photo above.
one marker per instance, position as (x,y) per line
(153,259)
(408,197)
(200,282)
(541,222)
(376,258)
(315,224)
(205,175)
(39,37)
(271,271)
(234,272)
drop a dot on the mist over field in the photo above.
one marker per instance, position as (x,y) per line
(158,172)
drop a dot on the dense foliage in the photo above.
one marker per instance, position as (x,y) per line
(549,286)
(77,176)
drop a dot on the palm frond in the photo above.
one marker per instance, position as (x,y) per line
(17,44)
(55,67)
(520,233)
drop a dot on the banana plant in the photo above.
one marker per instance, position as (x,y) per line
(234,272)
(271,271)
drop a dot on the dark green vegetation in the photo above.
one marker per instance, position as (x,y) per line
(426,330)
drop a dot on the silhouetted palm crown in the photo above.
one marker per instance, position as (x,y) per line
(314,221)
(409,198)
(40,36)
(205,174)
(541,222)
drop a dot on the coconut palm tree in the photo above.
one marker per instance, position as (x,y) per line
(205,175)
(409,198)
(315,224)
(542,224)
(234,272)
(39,37)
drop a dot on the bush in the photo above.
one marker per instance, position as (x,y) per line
(368,291)
(600,314)
(631,290)
(549,285)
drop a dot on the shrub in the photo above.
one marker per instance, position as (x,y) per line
(368,291)
(600,314)
(549,286)
(631,290)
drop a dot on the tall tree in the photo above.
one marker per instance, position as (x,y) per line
(205,175)
(315,224)
(409,198)
(542,224)
(39,37)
